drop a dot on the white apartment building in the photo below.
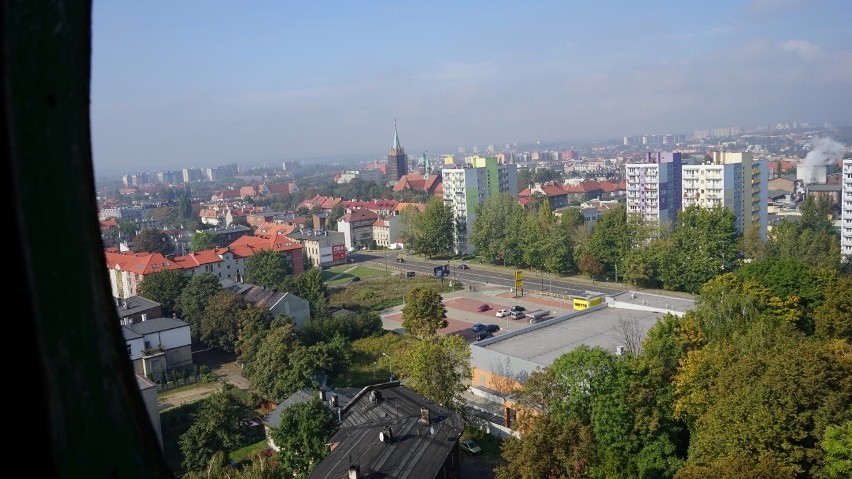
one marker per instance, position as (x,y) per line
(465,188)
(846,214)
(734,180)
(654,188)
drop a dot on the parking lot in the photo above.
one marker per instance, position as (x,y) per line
(462,310)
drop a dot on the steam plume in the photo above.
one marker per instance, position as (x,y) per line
(824,152)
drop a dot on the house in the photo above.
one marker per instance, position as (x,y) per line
(322,247)
(274,238)
(556,194)
(357,228)
(324,202)
(128,269)
(222,262)
(419,182)
(130,310)
(584,191)
(388,430)
(279,302)
(379,207)
(158,345)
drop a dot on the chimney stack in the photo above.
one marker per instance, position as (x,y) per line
(425,416)
(354,472)
(144,316)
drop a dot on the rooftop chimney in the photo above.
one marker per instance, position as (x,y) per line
(144,316)
(424,415)
(322,395)
(354,472)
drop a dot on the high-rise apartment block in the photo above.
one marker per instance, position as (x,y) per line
(734,180)
(846,214)
(654,188)
(467,187)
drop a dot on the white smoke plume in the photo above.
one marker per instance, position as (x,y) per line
(824,152)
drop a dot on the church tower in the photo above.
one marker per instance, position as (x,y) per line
(397,159)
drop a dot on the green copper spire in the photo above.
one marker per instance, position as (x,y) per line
(396,145)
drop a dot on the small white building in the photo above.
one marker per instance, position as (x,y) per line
(157,345)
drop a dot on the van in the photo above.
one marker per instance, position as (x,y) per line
(538,315)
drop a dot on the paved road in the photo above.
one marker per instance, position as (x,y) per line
(486,275)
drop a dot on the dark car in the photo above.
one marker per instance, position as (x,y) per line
(517,308)
(400,260)
(483,307)
(355,278)
(483,335)
(464,266)
(478,327)
(492,328)
(408,274)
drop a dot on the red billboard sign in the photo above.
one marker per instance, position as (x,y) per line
(338,252)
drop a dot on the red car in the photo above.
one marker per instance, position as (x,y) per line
(483,307)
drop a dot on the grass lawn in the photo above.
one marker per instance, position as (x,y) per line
(344,273)
(382,292)
(245,453)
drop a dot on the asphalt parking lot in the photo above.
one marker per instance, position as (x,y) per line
(462,311)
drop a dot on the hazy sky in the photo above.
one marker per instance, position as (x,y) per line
(203,83)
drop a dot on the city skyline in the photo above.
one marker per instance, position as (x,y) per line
(195,84)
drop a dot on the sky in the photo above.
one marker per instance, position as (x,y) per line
(206,83)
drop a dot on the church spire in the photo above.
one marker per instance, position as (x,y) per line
(396,146)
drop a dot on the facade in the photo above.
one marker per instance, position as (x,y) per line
(222,262)
(654,188)
(322,247)
(388,430)
(249,245)
(733,180)
(127,270)
(846,212)
(158,345)
(386,231)
(366,175)
(357,228)
(397,159)
(226,236)
(465,188)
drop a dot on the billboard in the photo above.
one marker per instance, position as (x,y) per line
(338,252)
(441,271)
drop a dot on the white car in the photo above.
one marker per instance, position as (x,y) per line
(503,313)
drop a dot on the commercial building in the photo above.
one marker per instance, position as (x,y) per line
(734,180)
(654,188)
(467,187)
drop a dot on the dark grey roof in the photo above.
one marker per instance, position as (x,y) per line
(156,325)
(821,187)
(135,304)
(416,451)
(229,229)
(273,419)
(234,286)
(129,333)
(777,193)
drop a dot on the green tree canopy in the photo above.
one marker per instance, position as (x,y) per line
(439,369)
(497,230)
(193,299)
(267,268)
(302,435)
(152,240)
(611,238)
(704,244)
(222,316)
(202,241)
(429,232)
(424,312)
(215,427)
(165,288)
(549,448)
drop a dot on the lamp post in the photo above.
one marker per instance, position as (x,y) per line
(390,361)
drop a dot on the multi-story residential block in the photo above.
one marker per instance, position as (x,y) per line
(191,175)
(322,247)
(465,188)
(846,211)
(128,269)
(357,228)
(654,188)
(734,180)
(386,231)
(222,262)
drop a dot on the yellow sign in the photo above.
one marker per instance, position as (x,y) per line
(519,280)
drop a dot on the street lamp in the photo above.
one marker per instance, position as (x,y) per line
(390,361)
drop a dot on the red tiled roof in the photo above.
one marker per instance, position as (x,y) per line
(109,223)
(359,215)
(552,189)
(269,230)
(208,256)
(420,207)
(371,205)
(139,263)
(247,245)
(279,188)
(584,187)
(227,194)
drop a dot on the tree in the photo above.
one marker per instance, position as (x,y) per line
(611,238)
(267,268)
(837,446)
(424,312)
(337,211)
(816,213)
(165,288)
(497,229)
(591,265)
(549,448)
(302,435)
(833,318)
(152,240)
(261,466)
(756,406)
(752,245)
(439,369)
(429,232)
(215,427)
(704,245)
(193,299)
(220,325)
(310,287)
(202,241)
